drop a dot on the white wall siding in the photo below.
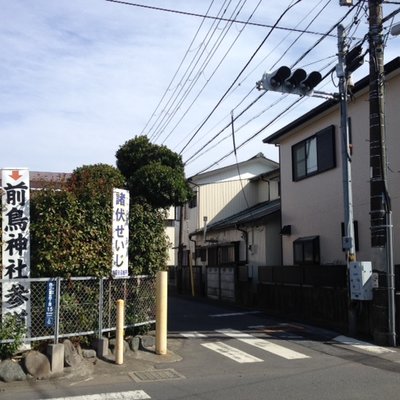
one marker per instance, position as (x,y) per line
(314,205)
(220,200)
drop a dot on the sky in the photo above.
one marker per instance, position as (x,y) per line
(79,78)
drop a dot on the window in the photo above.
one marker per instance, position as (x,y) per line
(223,255)
(227,255)
(213,256)
(315,154)
(306,250)
(201,252)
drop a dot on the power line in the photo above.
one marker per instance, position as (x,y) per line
(256,68)
(202,68)
(240,73)
(191,14)
(219,122)
(213,73)
(194,156)
(253,136)
(188,72)
(179,67)
(197,155)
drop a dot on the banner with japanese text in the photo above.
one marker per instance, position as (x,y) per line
(16,244)
(120,228)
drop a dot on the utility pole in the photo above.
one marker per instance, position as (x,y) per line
(381,224)
(348,239)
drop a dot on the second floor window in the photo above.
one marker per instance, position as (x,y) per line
(315,154)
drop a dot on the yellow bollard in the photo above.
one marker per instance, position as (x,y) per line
(119,334)
(161,312)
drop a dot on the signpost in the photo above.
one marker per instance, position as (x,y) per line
(50,304)
(16,244)
(120,237)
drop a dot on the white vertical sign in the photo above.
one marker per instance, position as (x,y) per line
(120,238)
(16,244)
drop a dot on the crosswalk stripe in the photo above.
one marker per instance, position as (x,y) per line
(263,344)
(358,344)
(193,334)
(234,314)
(129,395)
(232,353)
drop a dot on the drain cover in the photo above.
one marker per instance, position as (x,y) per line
(155,375)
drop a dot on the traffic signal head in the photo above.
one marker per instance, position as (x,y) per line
(277,78)
(285,81)
(354,59)
(312,80)
(295,78)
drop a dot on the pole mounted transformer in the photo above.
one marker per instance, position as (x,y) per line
(285,80)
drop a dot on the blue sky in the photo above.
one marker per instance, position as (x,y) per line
(79,78)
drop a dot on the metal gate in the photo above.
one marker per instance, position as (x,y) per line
(221,283)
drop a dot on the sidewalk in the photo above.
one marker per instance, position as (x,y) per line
(102,371)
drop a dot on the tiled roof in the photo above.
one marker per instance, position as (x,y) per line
(38,179)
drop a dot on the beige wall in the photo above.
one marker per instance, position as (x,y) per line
(314,206)
(220,200)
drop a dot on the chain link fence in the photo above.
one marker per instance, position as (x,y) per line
(82,306)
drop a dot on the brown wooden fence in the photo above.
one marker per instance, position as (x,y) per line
(315,294)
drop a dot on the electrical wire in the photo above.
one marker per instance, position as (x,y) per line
(178,69)
(282,113)
(300,58)
(271,52)
(204,150)
(240,73)
(188,72)
(213,73)
(191,14)
(202,68)
(269,124)
(218,123)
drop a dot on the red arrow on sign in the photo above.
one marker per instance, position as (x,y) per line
(15,175)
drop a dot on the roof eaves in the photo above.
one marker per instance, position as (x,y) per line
(250,215)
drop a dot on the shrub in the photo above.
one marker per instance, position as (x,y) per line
(11,326)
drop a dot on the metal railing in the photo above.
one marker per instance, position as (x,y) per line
(84,306)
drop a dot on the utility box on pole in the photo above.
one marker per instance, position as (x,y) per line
(360,273)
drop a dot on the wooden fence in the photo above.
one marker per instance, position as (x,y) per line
(315,294)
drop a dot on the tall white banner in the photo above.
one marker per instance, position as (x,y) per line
(16,244)
(120,227)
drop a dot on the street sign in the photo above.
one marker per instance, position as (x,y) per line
(50,304)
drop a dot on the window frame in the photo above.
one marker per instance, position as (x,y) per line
(302,243)
(324,152)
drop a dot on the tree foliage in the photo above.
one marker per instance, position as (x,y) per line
(71,228)
(154,173)
(147,239)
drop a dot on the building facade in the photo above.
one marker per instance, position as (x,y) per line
(312,179)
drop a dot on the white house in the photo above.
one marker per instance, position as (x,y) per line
(312,182)
(233,221)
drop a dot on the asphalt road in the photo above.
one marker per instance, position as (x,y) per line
(235,354)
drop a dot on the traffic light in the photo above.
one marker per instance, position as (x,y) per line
(354,59)
(285,81)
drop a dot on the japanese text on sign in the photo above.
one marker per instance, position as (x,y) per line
(120,238)
(16,244)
